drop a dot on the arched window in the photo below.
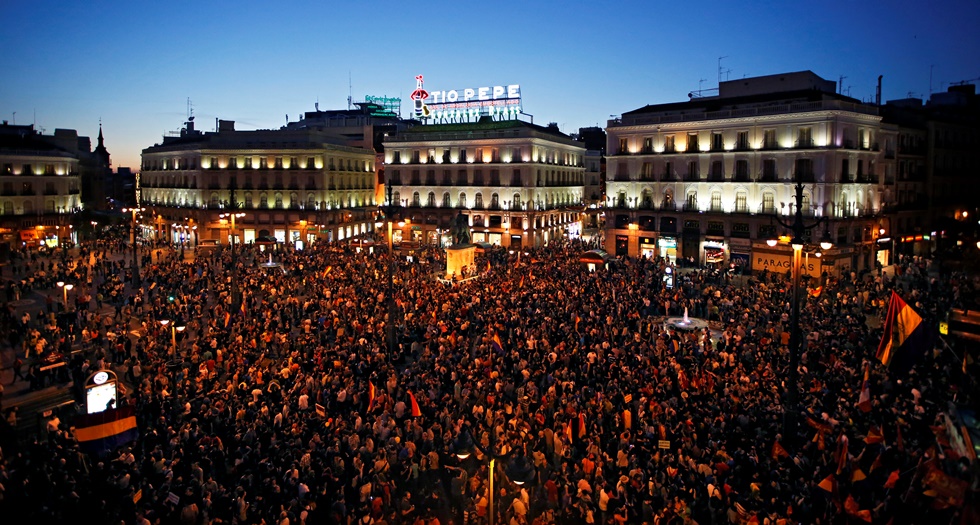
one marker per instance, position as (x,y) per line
(248,200)
(278,199)
(263,200)
(430,199)
(396,199)
(494,201)
(416,199)
(446,203)
(462,200)
(517,201)
(293,200)
(8,208)
(214,200)
(310,201)
(478,201)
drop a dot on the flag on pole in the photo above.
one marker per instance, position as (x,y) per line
(858,475)
(892,480)
(227,318)
(581,425)
(242,307)
(416,412)
(778,451)
(864,400)
(875,435)
(841,452)
(815,292)
(371,394)
(321,410)
(905,339)
(827,483)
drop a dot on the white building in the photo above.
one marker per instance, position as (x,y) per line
(520,184)
(294,185)
(703,179)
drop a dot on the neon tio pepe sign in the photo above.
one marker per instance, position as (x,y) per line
(470,103)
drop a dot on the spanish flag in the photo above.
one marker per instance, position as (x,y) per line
(864,400)
(778,451)
(242,308)
(905,339)
(371,394)
(102,432)
(875,435)
(581,425)
(815,292)
(627,419)
(416,412)
(227,318)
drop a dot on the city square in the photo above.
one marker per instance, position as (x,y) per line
(623,263)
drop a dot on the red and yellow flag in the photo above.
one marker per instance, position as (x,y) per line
(371,394)
(416,412)
(778,451)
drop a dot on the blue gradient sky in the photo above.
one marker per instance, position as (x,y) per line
(134,64)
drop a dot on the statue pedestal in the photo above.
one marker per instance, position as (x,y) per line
(459,257)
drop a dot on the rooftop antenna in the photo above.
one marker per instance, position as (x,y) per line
(701,81)
(316,104)
(931,67)
(15,118)
(350,91)
(840,85)
(720,70)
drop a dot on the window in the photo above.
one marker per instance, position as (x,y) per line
(396,157)
(647,145)
(769,139)
(692,201)
(515,178)
(741,203)
(646,172)
(478,177)
(804,138)
(214,200)
(742,170)
(446,202)
(416,199)
(430,200)
(462,200)
(742,140)
(516,203)
(692,142)
(717,171)
(768,203)
(622,145)
(278,199)
(769,170)
(717,142)
(804,169)
(461,178)
(669,144)
(8,208)
(692,170)
(263,200)
(740,230)
(716,201)
(494,201)
(845,170)
(478,201)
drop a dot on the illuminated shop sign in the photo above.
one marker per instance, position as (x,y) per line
(461,105)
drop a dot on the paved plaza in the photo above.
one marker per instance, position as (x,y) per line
(293,408)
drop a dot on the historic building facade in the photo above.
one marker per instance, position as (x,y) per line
(294,185)
(518,183)
(705,180)
(40,187)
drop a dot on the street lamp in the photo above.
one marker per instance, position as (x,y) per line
(64,288)
(798,229)
(516,469)
(174,328)
(136,266)
(390,327)
(235,294)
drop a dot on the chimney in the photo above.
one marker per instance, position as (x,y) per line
(878,92)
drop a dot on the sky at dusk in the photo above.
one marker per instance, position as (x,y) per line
(68,63)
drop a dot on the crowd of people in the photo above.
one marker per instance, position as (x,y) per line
(283,401)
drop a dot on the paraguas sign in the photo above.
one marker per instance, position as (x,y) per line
(782,263)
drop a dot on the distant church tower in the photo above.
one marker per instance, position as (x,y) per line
(100,152)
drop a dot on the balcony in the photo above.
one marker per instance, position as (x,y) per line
(804,177)
(50,191)
(667,177)
(741,177)
(768,177)
(691,206)
(692,177)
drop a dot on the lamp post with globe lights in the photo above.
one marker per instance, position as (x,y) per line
(798,230)
(136,266)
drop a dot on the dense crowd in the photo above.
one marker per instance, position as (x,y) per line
(293,409)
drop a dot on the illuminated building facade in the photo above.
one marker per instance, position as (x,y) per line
(40,186)
(296,185)
(520,184)
(702,180)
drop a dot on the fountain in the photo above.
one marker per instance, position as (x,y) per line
(270,265)
(686,324)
